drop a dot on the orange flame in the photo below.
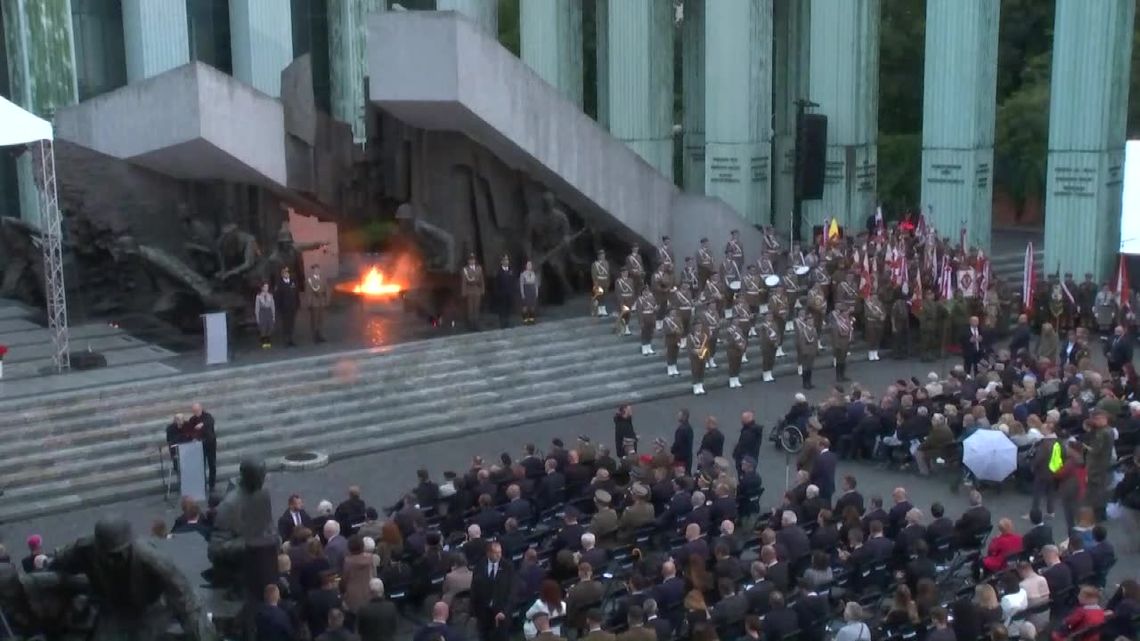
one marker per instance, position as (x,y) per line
(373,283)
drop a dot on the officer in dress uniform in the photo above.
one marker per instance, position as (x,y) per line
(664,253)
(1058,308)
(662,285)
(689,278)
(681,301)
(1086,297)
(627,297)
(807,346)
(471,287)
(771,241)
(711,320)
(842,329)
(698,354)
(778,306)
(817,307)
(742,317)
(674,332)
(874,317)
(734,250)
(713,292)
(600,274)
(706,265)
(737,346)
(316,298)
(769,341)
(636,267)
(646,308)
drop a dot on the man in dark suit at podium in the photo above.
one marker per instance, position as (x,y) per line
(975,345)
(201,425)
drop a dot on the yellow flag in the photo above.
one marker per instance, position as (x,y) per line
(833,230)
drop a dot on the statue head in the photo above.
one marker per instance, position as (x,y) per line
(113,539)
(251,474)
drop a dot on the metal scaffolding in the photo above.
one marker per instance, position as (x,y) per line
(52,239)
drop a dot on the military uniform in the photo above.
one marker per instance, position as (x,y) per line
(705,265)
(711,320)
(779,305)
(627,298)
(957,319)
(929,328)
(689,278)
(600,274)
(807,346)
(750,288)
(713,294)
(729,273)
(991,312)
(769,341)
(742,317)
(821,280)
(699,352)
(737,346)
(647,315)
(874,317)
(734,252)
(664,254)
(681,301)
(1086,297)
(900,329)
(817,308)
(674,332)
(842,330)
(471,287)
(636,269)
(662,285)
(847,293)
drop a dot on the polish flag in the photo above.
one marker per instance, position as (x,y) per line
(880,227)
(1123,292)
(946,284)
(1028,279)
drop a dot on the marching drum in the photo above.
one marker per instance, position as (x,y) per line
(771,280)
(802,270)
(734,285)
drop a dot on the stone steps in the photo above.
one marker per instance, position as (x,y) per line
(98,446)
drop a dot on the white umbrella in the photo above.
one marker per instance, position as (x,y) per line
(990,455)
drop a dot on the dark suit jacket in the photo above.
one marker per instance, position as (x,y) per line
(906,539)
(273,624)
(713,442)
(285,524)
(971,350)
(582,596)
(731,610)
(795,541)
(825,538)
(823,473)
(1059,577)
(779,576)
(1019,339)
(669,594)
(431,629)
(849,498)
(377,620)
(682,449)
(519,510)
(1103,556)
(779,623)
(1081,565)
(974,520)
(1037,538)
(875,515)
(489,520)
(490,596)
(812,612)
(758,594)
(896,518)
(551,490)
(1119,350)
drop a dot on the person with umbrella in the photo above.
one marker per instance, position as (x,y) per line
(989,455)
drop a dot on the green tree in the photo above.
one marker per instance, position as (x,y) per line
(1021,135)
(902,40)
(509,30)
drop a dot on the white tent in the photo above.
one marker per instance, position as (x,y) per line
(18,127)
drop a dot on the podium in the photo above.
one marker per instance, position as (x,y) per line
(192,470)
(217,338)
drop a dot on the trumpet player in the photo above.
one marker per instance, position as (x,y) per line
(713,293)
(699,350)
(711,319)
(769,342)
(681,301)
(626,296)
(817,308)
(600,274)
(737,340)
(647,314)
(674,335)
(662,284)
(807,346)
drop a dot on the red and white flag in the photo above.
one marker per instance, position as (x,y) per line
(962,238)
(880,226)
(1123,292)
(982,265)
(1028,279)
(946,282)
(1068,294)
(916,300)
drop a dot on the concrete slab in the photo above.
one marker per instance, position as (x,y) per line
(26,387)
(104,344)
(78,335)
(16,325)
(11,312)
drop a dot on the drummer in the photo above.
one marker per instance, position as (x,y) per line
(751,286)
(662,283)
(713,292)
(730,276)
(820,278)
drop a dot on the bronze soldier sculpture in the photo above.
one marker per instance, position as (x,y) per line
(874,318)
(600,275)
(674,332)
(737,346)
(842,329)
(807,346)
(471,287)
(769,338)
(699,352)
(627,298)
(647,314)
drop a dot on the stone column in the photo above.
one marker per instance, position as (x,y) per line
(41,73)
(551,33)
(261,39)
(844,81)
(156,35)
(792,37)
(958,112)
(693,96)
(347,66)
(484,13)
(738,105)
(640,96)
(1088,104)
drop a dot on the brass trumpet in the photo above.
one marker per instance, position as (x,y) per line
(625,312)
(703,352)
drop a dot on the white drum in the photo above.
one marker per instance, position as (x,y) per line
(771,280)
(734,285)
(802,269)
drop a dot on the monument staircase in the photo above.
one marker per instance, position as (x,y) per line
(101,444)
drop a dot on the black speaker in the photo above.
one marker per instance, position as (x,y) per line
(811,155)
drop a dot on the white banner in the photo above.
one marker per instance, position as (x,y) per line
(968,282)
(217,338)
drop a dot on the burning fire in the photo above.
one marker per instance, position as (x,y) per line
(387,279)
(374,284)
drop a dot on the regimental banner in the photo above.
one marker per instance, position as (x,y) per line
(968,282)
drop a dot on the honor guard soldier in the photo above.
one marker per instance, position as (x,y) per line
(765,266)
(737,345)
(600,274)
(636,267)
(689,279)
(730,278)
(1057,308)
(713,293)
(734,251)
(848,292)
(705,264)
(769,341)
(742,317)
(627,297)
(820,279)
(699,351)
(662,284)
(779,305)
(664,253)
(750,288)
(647,314)
(791,281)
(874,319)
(900,328)
(711,319)
(674,334)
(807,346)
(471,287)
(1086,298)
(842,329)
(681,301)
(771,243)
(817,308)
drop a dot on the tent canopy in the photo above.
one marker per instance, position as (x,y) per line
(19,127)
